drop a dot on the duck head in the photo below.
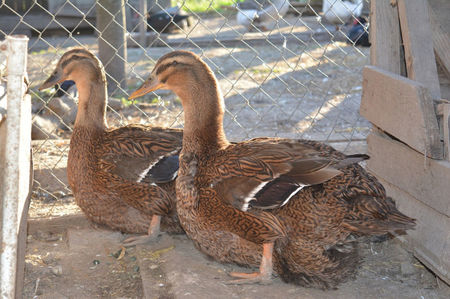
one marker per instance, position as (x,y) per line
(86,70)
(184,73)
(191,79)
(77,65)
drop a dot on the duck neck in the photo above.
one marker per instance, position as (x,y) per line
(91,104)
(203,118)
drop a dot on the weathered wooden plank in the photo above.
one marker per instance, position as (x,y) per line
(403,108)
(385,36)
(443,110)
(229,41)
(430,241)
(441,43)
(441,9)
(444,81)
(311,8)
(423,178)
(441,47)
(29,22)
(418,44)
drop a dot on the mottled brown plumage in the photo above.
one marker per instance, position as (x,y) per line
(231,198)
(111,171)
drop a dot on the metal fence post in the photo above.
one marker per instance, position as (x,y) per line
(17,157)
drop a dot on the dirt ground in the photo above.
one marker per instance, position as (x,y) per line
(70,258)
(302,90)
(80,264)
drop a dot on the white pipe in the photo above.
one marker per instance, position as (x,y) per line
(16,66)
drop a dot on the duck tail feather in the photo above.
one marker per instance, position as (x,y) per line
(342,268)
(378,228)
(376,216)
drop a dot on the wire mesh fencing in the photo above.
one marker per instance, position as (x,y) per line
(286,68)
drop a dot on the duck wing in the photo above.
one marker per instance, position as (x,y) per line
(142,154)
(165,170)
(267,173)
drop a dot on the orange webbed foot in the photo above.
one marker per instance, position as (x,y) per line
(264,276)
(152,236)
(248,278)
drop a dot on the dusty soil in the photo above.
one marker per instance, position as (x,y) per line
(80,264)
(70,258)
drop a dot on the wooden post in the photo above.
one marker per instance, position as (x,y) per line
(418,43)
(385,36)
(443,110)
(441,42)
(15,168)
(112,45)
(143,23)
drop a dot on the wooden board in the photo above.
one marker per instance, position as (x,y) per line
(441,43)
(423,178)
(444,81)
(29,22)
(229,41)
(311,8)
(430,241)
(385,36)
(441,9)
(403,108)
(443,111)
(418,44)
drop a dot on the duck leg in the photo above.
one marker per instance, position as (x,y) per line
(264,275)
(153,233)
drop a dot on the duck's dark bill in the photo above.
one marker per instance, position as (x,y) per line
(50,82)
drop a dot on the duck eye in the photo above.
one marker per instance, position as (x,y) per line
(174,63)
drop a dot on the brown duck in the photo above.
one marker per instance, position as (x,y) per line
(124,177)
(231,198)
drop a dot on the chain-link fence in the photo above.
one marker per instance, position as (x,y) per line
(286,68)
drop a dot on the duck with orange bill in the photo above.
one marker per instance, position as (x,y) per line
(120,177)
(291,206)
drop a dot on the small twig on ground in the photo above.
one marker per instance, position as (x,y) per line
(36,286)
